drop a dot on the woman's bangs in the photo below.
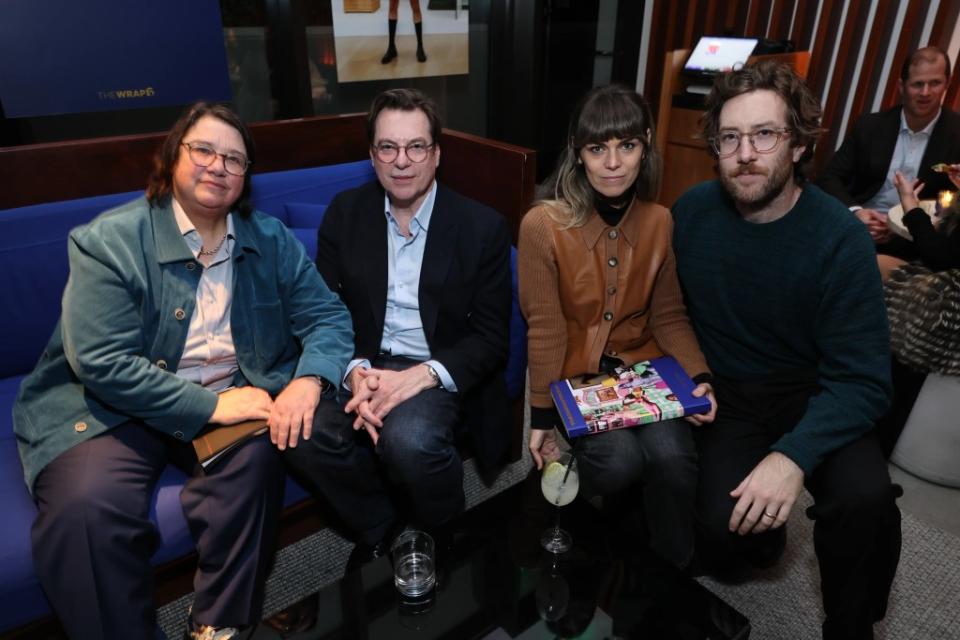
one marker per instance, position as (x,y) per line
(601,122)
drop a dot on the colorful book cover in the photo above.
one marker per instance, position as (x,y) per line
(645,392)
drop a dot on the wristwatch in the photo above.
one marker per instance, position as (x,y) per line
(433,374)
(319,381)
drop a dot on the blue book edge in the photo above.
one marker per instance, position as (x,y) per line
(681,385)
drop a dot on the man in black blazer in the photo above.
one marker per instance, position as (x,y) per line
(425,273)
(910,138)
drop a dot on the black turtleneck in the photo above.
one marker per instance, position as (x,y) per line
(612,210)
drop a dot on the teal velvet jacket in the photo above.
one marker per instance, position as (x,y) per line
(125,315)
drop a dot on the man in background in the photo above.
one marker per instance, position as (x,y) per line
(910,138)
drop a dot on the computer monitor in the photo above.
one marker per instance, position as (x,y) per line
(714,55)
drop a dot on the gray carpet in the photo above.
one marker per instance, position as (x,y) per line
(781,603)
(784,602)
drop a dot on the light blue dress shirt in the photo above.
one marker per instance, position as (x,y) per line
(402,326)
(209,357)
(906,158)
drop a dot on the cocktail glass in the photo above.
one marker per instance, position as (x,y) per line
(559,484)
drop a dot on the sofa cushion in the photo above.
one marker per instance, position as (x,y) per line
(271,191)
(308,238)
(33,261)
(21,598)
(305,215)
(304,220)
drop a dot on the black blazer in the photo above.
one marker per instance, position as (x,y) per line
(465,295)
(859,167)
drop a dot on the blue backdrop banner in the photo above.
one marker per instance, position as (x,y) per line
(63,56)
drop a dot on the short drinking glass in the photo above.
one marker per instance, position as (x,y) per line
(413,563)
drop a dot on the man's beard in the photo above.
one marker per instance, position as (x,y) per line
(756,197)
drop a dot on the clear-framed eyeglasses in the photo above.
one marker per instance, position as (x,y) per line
(416,151)
(765,140)
(203,155)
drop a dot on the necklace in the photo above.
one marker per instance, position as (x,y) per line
(213,252)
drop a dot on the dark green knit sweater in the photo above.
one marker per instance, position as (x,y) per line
(802,292)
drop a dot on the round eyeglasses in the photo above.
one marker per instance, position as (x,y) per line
(727,142)
(203,155)
(416,151)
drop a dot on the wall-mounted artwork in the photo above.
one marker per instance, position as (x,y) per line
(388,39)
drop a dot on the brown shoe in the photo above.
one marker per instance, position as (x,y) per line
(206,632)
(298,617)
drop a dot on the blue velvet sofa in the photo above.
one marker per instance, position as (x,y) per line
(33,264)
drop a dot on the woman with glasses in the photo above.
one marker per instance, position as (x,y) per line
(184,310)
(599,290)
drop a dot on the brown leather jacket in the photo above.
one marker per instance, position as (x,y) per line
(597,289)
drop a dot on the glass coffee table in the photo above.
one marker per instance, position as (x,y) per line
(496,583)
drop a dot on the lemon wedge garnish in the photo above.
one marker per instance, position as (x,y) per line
(554,471)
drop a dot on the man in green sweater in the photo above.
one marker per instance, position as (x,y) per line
(785,297)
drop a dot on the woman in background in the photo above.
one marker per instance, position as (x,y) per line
(937,247)
(598,288)
(923,304)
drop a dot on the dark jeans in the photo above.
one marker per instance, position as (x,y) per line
(661,459)
(856,531)
(416,455)
(93,539)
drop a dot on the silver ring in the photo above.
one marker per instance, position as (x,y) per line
(769,515)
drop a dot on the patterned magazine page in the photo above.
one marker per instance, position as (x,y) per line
(636,395)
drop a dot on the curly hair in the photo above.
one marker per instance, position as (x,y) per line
(160,184)
(612,111)
(803,108)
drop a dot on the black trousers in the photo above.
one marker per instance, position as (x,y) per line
(856,532)
(415,467)
(93,539)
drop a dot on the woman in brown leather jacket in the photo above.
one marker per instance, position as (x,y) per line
(599,289)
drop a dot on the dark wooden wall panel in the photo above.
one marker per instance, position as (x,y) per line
(851,37)
(781,15)
(500,175)
(944,24)
(881,33)
(821,49)
(755,23)
(705,19)
(726,17)
(952,99)
(947,20)
(907,42)
(123,163)
(803,23)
